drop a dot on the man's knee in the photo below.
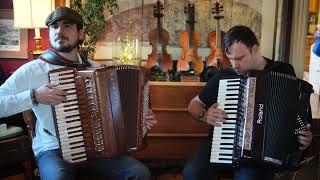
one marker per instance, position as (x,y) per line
(57,173)
(139,171)
(189,171)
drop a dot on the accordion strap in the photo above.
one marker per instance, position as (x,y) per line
(52,57)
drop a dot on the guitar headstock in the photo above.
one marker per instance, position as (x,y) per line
(189,9)
(217,9)
(157,9)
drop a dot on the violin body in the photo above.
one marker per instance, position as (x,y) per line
(159,39)
(217,57)
(190,42)
(184,59)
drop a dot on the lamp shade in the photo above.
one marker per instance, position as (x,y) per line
(31,13)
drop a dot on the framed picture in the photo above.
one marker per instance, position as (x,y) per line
(13,42)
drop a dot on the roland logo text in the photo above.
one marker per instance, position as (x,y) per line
(260,114)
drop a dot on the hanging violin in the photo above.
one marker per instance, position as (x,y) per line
(190,41)
(217,58)
(159,38)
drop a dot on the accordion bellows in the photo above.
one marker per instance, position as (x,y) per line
(103,114)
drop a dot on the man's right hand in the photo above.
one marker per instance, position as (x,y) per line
(214,115)
(49,94)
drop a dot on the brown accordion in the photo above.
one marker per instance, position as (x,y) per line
(103,115)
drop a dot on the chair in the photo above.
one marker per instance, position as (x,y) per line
(15,152)
(30,120)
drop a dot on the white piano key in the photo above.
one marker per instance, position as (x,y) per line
(224,126)
(69,119)
(76,129)
(228,97)
(72,151)
(67,134)
(225,99)
(219,157)
(229,102)
(63,109)
(64,81)
(224,93)
(225,87)
(65,104)
(58,73)
(69,141)
(64,134)
(221,161)
(224,141)
(232,116)
(230,111)
(66,86)
(223,146)
(220,131)
(229,81)
(69,113)
(221,137)
(71,97)
(76,160)
(72,146)
(224,131)
(229,121)
(225,157)
(58,77)
(72,91)
(76,156)
(66,125)
(220,151)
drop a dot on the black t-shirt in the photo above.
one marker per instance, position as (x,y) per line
(209,94)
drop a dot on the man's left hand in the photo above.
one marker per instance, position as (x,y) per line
(305,138)
(150,120)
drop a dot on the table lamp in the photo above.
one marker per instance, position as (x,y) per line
(31,14)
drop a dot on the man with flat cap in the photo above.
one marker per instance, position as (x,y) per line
(28,88)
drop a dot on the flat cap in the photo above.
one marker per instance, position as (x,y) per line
(64,13)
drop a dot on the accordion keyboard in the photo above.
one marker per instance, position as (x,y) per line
(68,118)
(223,136)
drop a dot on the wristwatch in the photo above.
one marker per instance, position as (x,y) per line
(201,116)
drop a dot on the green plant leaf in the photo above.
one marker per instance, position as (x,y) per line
(93,17)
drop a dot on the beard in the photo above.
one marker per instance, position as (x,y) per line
(64,48)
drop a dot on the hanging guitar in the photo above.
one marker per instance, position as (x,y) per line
(159,60)
(190,41)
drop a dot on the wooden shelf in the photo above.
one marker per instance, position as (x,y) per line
(176,134)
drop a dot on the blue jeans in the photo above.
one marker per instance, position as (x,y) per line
(52,166)
(199,168)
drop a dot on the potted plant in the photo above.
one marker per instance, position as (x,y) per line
(92,12)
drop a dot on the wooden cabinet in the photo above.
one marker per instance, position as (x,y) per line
(176,134)
(16,152)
